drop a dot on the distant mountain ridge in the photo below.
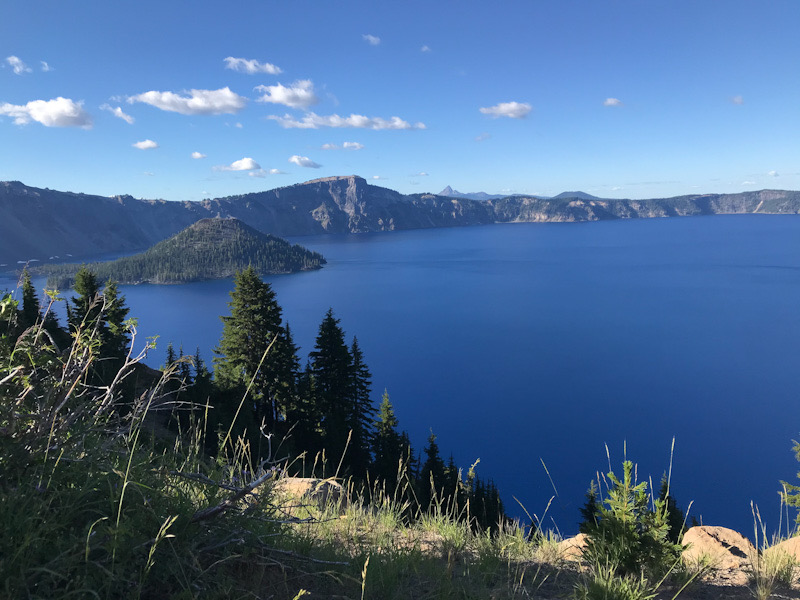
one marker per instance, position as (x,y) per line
(208,249)
(38,223)
(451,193)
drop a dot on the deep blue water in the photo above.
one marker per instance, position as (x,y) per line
(525,343)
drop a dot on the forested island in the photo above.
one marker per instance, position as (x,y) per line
(209,249)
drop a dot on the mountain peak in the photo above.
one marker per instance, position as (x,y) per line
(579,195)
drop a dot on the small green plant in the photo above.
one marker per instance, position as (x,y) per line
(769,568)
(605,583)
(630,534)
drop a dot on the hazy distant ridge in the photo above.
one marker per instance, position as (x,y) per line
(39,223)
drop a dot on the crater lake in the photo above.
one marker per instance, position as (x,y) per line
(533,346)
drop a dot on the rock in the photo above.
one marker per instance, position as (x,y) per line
(322,492)
(791,547)
(572,548)
(723,549)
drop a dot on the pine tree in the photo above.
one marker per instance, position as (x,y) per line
(305,419)
(253,348)
(31,310)
(432,474)
(202,385)
(332,382)
(387,445)
(590,512)
(85,309)
(115,340)
(675,517)
(362,412)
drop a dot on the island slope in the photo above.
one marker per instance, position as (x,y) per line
(209,249)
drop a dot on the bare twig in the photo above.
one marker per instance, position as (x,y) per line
(213,511)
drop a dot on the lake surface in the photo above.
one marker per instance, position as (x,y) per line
(527,344)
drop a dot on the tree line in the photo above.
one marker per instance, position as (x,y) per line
(321,416)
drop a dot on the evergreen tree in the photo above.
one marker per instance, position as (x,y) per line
(432,474)
(171,356)
(486,506)
(590,512)
(387,445)
(305,419)
(184,369)
(362,412)
(675,517)
(332,382)
(85,309)
(115,340)
(202,384)
(253,327)
(103,314)
(31,310)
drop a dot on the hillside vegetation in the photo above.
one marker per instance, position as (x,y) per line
(208,249)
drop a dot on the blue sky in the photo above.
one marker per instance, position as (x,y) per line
(621,99)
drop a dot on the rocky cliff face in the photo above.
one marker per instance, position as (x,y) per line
(38,223)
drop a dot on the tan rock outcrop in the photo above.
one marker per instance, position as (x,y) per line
(791,547)
(572,548)
(726,551)
(322,492)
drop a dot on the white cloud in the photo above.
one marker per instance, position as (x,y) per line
(148,173)
(304,161)
(276,172)
(482,137)
(315,121)
(60,112)
(299,95)
(258,173)
(251,66)
(243,164)
(748,183)
(612,102)
(16,63)
(345,146)
(117,112)
(737,100)
(238,126)
(420,174)
(145,145)
(45,67)
(377,177)
(195,102)
(773,174)
(372,40)
(514,110)
(425,48)
(198,155)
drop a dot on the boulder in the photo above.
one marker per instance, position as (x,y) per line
(726,551)
(322,492)
(572,548)
(790,547)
